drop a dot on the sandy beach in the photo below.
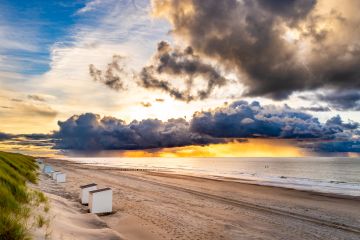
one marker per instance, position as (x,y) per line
(155,205)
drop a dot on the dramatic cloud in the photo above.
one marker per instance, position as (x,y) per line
(113,76)
(275,47)
(91,132)
(342,101)
(244,120)
(172,63)
(5,136)
(37,136)
(336,146)
(316,109)
(33,136)
(239,120)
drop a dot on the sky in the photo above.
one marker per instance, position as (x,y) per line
(189,77)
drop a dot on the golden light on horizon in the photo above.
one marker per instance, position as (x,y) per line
(28,149)
(251,148)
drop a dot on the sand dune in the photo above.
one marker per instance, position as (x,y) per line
(69,220)
(68,223)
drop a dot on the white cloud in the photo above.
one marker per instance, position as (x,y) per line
(122,30)
(90,6)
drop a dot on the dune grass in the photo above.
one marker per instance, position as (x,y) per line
(15,171)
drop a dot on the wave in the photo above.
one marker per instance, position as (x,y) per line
(304,184)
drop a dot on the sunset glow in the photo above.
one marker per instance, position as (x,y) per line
(251,148)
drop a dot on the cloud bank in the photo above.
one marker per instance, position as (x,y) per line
(245,120)
(91,132)
(239,120)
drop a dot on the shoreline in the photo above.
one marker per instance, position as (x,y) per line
(216,178)
(153,205)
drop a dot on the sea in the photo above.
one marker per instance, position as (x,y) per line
(335,175)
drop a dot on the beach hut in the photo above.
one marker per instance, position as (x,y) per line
(60,177)
(41,166)
(47,169)
(53,175)
(84,192)
(100,201)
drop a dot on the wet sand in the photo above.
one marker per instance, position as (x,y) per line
(154,205)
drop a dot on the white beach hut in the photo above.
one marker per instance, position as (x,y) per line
(41,166)
(53,175)
(84,192)
(60,177)
(100,201)
(47,169)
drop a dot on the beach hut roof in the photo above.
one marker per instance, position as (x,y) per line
(100,190)
(88,185)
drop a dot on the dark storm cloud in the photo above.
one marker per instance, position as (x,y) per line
(5,136)
(249,36)
(342,100)
(170,63)
(113,76)
(90,131)
(245,120)
(147,80)
(37,136)
(234,121)
(316,109)
(338,122)
(337,146)
(289,8)
(30,136)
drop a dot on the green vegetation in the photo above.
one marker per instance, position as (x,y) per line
(15,171)
(46,207)
(40,220)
